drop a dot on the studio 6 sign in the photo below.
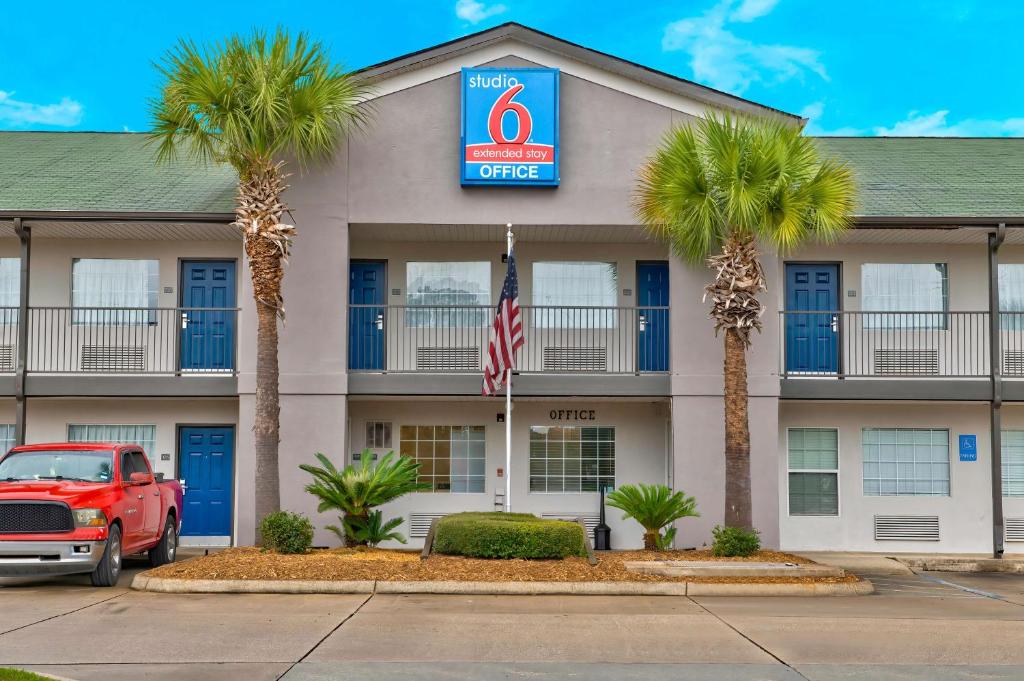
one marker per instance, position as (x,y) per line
(509,126)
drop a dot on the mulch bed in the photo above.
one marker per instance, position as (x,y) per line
(387,565)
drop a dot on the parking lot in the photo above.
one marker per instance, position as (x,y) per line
(930,626)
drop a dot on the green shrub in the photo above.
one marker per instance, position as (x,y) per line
(286,532)
(508,535)
(654,507)
(369,531)
(735,541)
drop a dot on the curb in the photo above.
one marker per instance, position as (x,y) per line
(185,586)
(1002,565)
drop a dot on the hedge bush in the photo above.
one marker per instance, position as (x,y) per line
(508,535)
(286,532)
(734,541)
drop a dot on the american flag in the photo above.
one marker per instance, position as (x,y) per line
(507,334)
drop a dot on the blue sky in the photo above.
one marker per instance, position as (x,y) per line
(896,67)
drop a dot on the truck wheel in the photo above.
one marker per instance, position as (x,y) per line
(109,568)
(167,549)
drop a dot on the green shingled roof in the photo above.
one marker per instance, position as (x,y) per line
(88,171)
(101,171)
(935,176)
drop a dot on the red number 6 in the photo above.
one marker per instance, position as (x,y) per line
(503,104)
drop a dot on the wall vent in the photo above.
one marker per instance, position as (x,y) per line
(907,527)
(448,359)
(419,523)
(575,359)
(113,358)
(7,355)
(1013,362)
(589,521)
(1014,528)
(909,362)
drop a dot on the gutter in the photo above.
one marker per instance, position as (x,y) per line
(114,216)
(995,240)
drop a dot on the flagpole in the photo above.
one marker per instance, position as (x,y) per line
(508,404)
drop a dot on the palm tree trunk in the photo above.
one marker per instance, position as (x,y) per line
(651,540)
(267,421)
(737,433)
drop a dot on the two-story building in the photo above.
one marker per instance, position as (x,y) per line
(873,395)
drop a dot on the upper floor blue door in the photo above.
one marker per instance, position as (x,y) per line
(812,318)
(366,294)
(205,463)
(207,315)
(652,321)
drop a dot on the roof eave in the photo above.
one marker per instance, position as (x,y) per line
(935,222)
(116,216)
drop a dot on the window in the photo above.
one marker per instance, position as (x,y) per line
(813,471)
(378,434)
(439,286)
(900,287)
(575,285)
(10,286)
(1013,463)
(110,283)
(906,461)
(6,437)
(144,436)
(571,458)
(1011,296)
(451,458)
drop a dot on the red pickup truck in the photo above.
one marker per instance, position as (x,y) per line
(70,508)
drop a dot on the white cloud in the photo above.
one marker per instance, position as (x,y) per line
(13,112)
(752,9)
(728,62)
(475,11)
(937,124)
(813,110)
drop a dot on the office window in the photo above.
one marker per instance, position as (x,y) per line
(451,458)
(6,437)
(906,461)
(1013,463)
(142,435)
(114,283)
(378,434)
(570,459)
(813,471)
(438,287)
(572,286)
(1011,296)
(907,288)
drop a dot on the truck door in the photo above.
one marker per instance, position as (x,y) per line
(133,510)
(152,515)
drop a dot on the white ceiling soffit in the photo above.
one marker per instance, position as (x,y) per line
(511,48)
(608,234)
(143,231)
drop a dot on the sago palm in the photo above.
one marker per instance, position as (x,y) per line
(251,102)
(714,190)
(654,507)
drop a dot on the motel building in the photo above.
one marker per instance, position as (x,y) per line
(889,373)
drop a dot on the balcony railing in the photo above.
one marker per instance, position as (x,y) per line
(122,340)
(559,340)
(898,344)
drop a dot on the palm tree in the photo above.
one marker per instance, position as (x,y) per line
(715,189)
(250,101)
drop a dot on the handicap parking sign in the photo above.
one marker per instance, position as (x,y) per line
(968,447)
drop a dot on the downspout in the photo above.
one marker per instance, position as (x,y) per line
(995,240)
(24,233)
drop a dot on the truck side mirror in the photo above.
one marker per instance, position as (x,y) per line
(140,479)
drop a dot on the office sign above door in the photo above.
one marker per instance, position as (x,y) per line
(509,126)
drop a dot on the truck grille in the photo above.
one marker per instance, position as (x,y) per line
(27,517)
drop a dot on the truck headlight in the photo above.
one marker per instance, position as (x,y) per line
(89,517)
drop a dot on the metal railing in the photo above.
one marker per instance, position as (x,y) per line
(120,340)
(893,344)
(447,339)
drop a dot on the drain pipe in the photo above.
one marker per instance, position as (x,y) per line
(995,240)
(24,233)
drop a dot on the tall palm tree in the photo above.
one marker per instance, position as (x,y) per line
(251,101)
(713,190)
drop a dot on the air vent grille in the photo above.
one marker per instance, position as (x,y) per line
(589,521)
(448,359)
(1013,362)
(113,358)
(575,359)
(910,362)
(7,358)
(907,527)
(419,523)
(1014,528)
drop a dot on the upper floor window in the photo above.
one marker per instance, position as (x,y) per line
(568,292)
(114,291)
(448,293)
(10,287)
(1011,296)
(904,288)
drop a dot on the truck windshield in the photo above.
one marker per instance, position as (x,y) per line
(87,466)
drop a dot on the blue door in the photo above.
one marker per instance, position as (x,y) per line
(653,323)
(207,315)
(812,319)
(205,456)
(367,282)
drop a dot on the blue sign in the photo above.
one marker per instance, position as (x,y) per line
(968,447)
(509,126)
